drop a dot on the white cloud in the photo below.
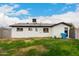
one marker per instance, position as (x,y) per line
(16,6)
(22,12)
(11,10)
(70,17)
(6,21)
(6,8)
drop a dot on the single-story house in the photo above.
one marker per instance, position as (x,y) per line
(34,29)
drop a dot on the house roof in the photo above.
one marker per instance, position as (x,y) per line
(68,24)
(31,25)
(37,24)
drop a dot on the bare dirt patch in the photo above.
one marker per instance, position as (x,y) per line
(37,47)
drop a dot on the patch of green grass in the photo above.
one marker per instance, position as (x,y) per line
(54,47)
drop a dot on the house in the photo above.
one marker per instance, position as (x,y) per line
(34,29)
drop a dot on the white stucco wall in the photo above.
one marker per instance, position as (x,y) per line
(53,31)
(57,30)
(26,34)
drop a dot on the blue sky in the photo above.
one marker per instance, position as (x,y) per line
(47,9)
(11,13)
(43,9)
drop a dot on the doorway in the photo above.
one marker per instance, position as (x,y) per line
(66,31)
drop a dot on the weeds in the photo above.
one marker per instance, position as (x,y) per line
(52,47)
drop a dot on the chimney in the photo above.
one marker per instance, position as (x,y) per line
(34,20)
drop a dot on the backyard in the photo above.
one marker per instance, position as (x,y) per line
(39,47)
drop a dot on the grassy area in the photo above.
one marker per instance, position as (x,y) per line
(39,47)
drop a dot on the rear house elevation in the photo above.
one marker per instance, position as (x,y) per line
(34,29)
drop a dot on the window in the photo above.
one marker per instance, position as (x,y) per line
(19,29)
(36,29)
(30,29)
(45,30)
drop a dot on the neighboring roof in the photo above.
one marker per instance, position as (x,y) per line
(3,28)
(37,24)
